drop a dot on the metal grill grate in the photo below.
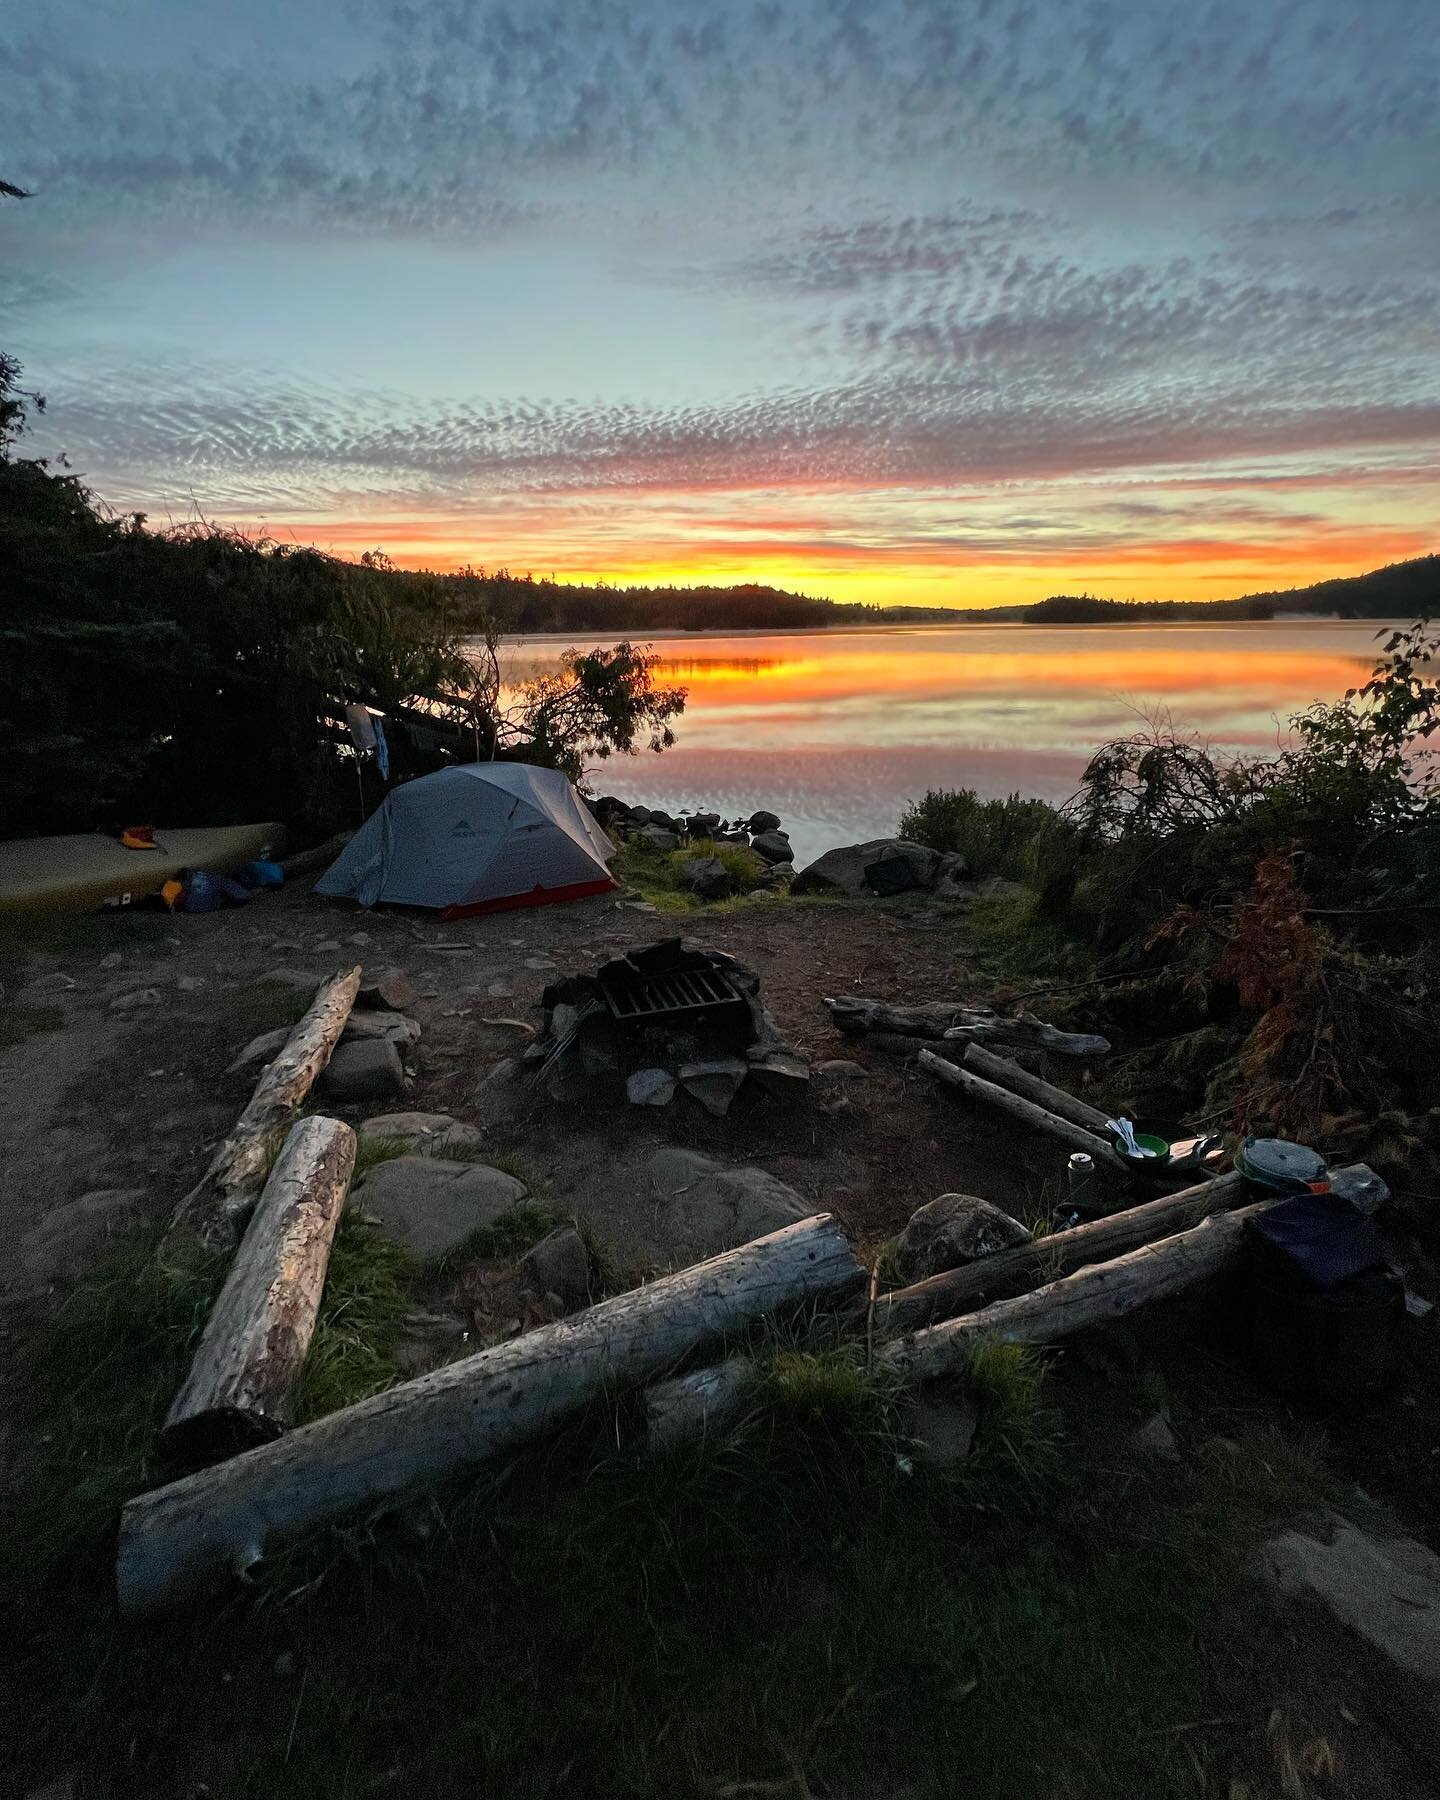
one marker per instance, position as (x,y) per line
(680,993)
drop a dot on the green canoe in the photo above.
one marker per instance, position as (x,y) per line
(75,874)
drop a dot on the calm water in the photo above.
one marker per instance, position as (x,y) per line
(836,731)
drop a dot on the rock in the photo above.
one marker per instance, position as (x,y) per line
(665,821)
(772,847)
(500,989)
(1386,1590)
(706,876)
(559,1265)
(783,1073)
(715,1082)
(951,1231)
(327,947)
(952,877)
(427,1340)
(702,824)
(112,961)
(1156,1440)
(393,1028)
(659,837)
(942,1425)
(778,874)
(739,838)
(368,1070)
(65,1242)
(424,1134)
(541,962)
(189,984)
(706,1207)
(387,990)
(598,1056)
(291,978)
(137,997)
(842,871)
(650,1087)
(983,891)
(639,815)
(763,821)
(430,1206)
(838,1069)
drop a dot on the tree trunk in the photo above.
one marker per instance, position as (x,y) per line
(238,1390)
(1024,1112)
(181,1538)
(972,1024)
(1007,1074)
(1092,1296)
(214,1209)
(678,1409)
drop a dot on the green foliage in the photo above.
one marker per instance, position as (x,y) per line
(657,875)
(366,1297)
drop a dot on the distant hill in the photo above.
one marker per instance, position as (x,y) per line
(1400,590)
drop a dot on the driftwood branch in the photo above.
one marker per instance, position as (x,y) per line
(214,1210)
(969,1024)
(238,1390)
(1024,1112)
(184,1537)
(1007,1074)
(1091,1296)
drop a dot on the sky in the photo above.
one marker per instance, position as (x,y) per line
(958,302)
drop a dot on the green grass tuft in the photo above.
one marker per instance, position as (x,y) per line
(656,875)
(370,1152)
(367,1295)
(511,1235)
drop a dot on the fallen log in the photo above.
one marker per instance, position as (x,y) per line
(238,1390)
(1007,1074)
(1091,1296)
(180,1539)
(683,1406)
(950,1019)
(214,1210)
(1024,1112)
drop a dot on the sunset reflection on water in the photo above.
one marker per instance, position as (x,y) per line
(837,731)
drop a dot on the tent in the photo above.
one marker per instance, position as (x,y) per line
(478,837)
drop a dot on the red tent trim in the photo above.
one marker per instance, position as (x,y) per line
(538,896)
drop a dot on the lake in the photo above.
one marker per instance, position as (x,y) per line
(837,730)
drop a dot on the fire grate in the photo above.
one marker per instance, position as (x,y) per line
(677,995)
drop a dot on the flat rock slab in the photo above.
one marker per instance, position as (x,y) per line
(1386,1589)
(387,990)
(716,1082)
(68,1241)
(650,1087)
(951,1231)
(705,1207)
(430,1206)
(366,1070)
(425,1134)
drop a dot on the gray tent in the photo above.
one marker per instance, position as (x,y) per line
(475,838)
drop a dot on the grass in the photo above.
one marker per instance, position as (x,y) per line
(656,875)
(789,1607)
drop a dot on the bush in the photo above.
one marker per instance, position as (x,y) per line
(1022,840)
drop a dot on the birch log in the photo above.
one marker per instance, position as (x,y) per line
(1007,1074)
(684,1406)
(1024,1112)
(214,1210)
(238,1390)
(974,1024)
(182,1538)
(1092,1296)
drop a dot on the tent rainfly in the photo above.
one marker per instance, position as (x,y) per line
(478,837)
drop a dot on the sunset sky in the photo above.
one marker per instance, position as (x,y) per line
(948,301)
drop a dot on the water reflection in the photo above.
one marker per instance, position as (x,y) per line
(836,731)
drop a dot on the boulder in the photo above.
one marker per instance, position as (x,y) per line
(136,998)
(659,837)
(741,839)
(764,821)
(982,891)
(706,876)
(941,1426)
(392,1028)
(387,990)
(703,823)
(638,815)
(1387,1590)
(650,1087)
(430,1206)
(704,1207)
(1156,1440)
(838,1069)
(559,1265)
(666,821)
(714,1082)
(66,1241)
(368,1070)
(952,877)
(784,1073)
(843,871)
(423,1133)
(951,1231)
(772,847)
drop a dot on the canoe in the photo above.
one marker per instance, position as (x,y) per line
(76,874)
